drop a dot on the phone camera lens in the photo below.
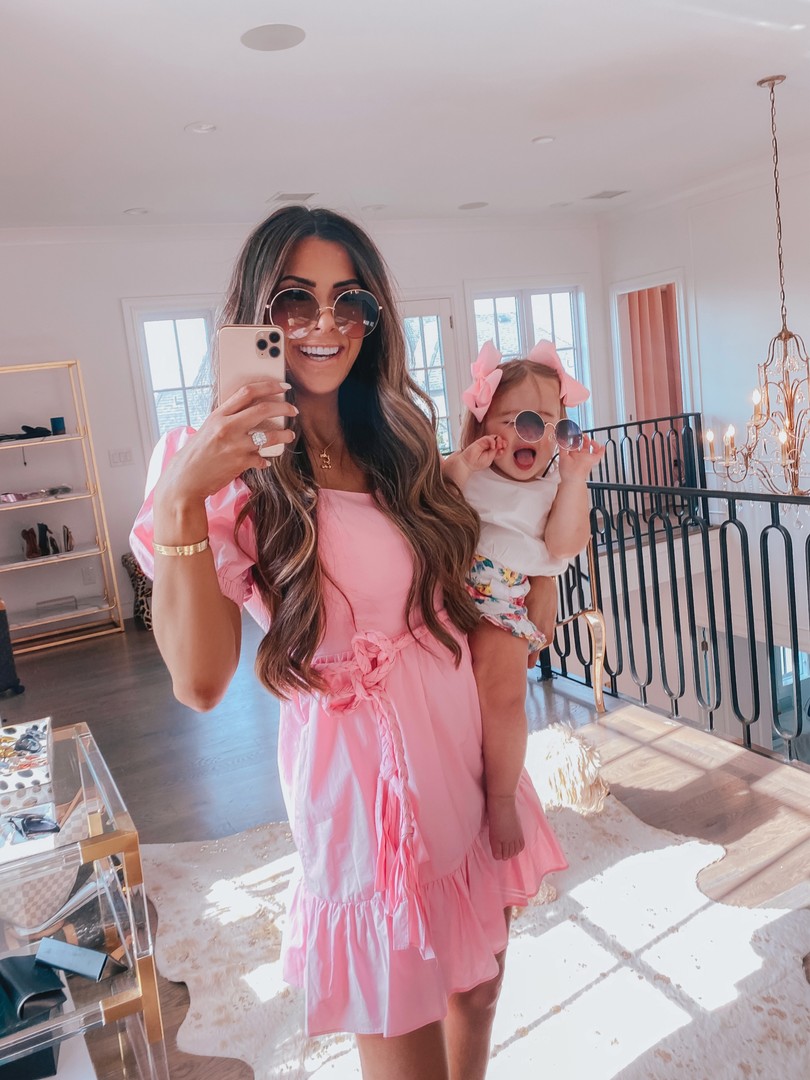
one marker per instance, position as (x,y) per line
(261,344)
(275,350)
(275,337)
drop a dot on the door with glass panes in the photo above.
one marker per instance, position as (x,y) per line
(432,360)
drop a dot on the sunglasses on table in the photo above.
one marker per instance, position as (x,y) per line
(30,743)
(29,825)
(531,427)
(296,311)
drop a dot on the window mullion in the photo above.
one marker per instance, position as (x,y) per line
(495,323)
(551,316)
(184,389)
(525,321)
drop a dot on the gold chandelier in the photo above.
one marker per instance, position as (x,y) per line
(776,432)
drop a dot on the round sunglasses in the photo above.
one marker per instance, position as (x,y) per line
(296,311)
(28,825)
(531,427)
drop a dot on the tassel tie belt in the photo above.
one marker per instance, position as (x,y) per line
(362,678)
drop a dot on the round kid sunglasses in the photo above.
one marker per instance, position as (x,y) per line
(531,427)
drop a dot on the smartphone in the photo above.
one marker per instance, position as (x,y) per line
(247,353)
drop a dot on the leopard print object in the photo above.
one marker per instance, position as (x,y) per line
(142,588)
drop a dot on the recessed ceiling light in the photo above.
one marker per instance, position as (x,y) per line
(273,37)
(542,139)
(200,127)
(558,205)
(136,210)
(373,206)
(472,205)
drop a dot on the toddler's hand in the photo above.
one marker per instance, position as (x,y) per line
(477,456)
(578,464)
(480,454)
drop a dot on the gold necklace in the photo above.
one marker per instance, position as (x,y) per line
(326,460)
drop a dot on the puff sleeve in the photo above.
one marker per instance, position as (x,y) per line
(233,560)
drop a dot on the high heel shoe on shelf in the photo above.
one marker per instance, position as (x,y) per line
(30,544)
(47,541)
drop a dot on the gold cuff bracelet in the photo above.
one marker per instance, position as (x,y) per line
(181,549)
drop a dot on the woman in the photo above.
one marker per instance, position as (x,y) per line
(350,551)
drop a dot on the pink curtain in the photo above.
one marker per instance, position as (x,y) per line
(655,354)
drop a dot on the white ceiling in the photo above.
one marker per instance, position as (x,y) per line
(417,104)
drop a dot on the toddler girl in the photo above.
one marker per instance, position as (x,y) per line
(523,466)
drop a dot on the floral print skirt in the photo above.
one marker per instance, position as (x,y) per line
(500,595)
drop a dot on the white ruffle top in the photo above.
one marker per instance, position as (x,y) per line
(513,520)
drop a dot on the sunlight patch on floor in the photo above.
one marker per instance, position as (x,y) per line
(266,982)
(595,1036)
(241,897)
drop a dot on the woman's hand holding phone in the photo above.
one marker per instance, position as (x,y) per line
(247,427)
(223,448)
(250,353)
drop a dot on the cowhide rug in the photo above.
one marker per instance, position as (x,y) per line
(631,972)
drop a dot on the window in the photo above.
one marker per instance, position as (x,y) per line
(428,337)
(177,352)
(170,351)
(496,319)
(518,319)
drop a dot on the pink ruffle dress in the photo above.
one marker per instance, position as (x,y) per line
(400,902)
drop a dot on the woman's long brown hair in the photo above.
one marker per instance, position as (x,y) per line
(389,426)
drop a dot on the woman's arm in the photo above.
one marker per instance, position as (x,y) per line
(197,629)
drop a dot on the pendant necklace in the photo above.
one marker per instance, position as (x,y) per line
(326,460)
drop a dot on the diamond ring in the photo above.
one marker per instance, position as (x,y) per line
(259,439)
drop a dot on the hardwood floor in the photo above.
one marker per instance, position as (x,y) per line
(186,776)
(697,784)
(183,775)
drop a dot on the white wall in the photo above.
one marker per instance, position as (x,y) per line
(62,293)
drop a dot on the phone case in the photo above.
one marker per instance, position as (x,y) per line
(246,353)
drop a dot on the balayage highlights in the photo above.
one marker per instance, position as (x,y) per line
(386,432)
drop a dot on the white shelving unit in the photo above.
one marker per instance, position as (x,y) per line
(72,595)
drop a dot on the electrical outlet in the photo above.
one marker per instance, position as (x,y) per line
(120,457)
(89,576)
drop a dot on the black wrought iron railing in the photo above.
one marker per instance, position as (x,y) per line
(665,452)
(707,605)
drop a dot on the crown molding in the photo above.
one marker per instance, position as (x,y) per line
(723,185)
(137,234)
(151,234)
(397,226)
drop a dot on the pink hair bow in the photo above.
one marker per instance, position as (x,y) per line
(486,376)
(572,392)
